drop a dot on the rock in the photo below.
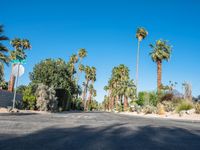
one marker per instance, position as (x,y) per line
(191,111)
(14,110)
(181,113)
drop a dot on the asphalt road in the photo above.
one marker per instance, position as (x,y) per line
(95,131)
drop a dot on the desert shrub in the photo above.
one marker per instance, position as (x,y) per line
(153,98)
(160,109)
(169,106)
(167,97)
(184,105)
(197,108)
(29,99)
(149,109)
(147,98)
(46,99)
(142,96)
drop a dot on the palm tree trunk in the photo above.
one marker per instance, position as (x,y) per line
(78,72)
(85,94)
(89,100)
(125,103)
(116,102)
(137,67)
(159,75)
(11,82)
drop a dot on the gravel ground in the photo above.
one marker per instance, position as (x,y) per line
(95,131)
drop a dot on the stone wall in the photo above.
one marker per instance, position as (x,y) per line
(6,98)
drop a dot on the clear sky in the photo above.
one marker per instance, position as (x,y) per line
(106,28)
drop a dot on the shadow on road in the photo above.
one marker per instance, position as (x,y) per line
(17,114)
(115,137)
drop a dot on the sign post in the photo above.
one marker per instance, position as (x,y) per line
(18,70)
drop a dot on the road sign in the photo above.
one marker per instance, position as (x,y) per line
(18,70)
(16,61)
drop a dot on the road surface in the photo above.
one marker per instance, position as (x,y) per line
(95,131)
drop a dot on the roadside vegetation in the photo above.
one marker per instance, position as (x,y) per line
(69,84)
(122,93)
(55,83)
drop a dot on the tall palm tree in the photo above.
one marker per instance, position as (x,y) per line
(141,34)
(160,51)
(20,45)
(92,92)
(4,59)
(82,53)
(86,83)
(73,60)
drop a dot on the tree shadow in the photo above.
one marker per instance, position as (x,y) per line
(17,114)
(114,137)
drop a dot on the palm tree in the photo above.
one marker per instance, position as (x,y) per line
(141,34)
(82,53)
(86,83)
(73,60)
(120,88)
(160,51)
(20,45)
(4,59)
(92,92)
(129,92)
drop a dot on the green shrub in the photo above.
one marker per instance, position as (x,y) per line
(29,99)
(197,108)
(184,105)
(147,98)
(153,98)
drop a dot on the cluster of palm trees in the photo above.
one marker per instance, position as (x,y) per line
(120,89)
(90,77)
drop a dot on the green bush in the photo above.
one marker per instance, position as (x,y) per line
(147,98)
(184,105)
(29,99)
(153,98)
(142,98)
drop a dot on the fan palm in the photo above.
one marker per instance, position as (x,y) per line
(4,59)
(73,60)
(160,51)
(20,45)
(141,34)
(87,78)
(82,53)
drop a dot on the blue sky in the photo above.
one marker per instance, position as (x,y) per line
(106,28)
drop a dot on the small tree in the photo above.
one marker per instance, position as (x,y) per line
(46,99)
